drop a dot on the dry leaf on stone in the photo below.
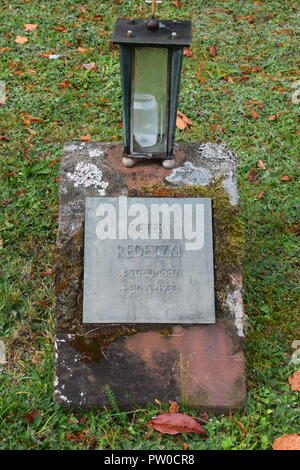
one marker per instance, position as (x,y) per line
(287,442)
(29,27)
(294,381)
(21,39)
(175,423)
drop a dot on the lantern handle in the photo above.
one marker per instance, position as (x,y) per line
(153,3)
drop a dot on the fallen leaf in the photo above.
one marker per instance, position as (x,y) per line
(287,442)
(279,88)
(285,178)
(49,272)
(60,28)
(294,381)
(64,84)
(201,79)
(185,118)
(177,3)
(254,114)
(5,49)
(175,423)
(252,176)
(180,124)
(21,39)
(85,138)
(261,165)
(229,79)
(212,50)
(187,52)
(174,407)
(29,27)
(274,117)
(244,432)
(31,71)
(77,437)
(31,416)
(90,66)
(260,195)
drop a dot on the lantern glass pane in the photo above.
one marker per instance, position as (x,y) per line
(149,100)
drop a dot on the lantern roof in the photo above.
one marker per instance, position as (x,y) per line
(169,33)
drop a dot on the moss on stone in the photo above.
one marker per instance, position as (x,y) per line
(91,345)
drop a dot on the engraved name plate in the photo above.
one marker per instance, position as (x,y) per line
(148,260)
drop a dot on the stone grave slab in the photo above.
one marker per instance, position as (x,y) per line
(199,362)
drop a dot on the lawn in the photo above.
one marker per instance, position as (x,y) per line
(239,87)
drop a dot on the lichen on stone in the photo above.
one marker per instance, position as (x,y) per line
(87,175)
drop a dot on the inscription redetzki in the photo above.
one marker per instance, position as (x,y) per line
(149,251)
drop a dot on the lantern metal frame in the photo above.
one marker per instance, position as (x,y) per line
(170,34)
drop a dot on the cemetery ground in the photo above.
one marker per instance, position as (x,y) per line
(239,87)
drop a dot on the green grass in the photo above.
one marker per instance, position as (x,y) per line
(256,62)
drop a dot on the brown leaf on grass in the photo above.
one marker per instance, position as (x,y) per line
(177,3)
(5,49)
(85,138)
(287,442)
(212,50)
(29,27)
(180,124)
(4,138)
(76,437)
(254,114)
(21,39)
(285,178)
(64,84)
(31,416)
(279,88)
(60,28)
(187,52)
(261,165)
(252,176)
(175,423)
(89,66)
(294,381)
(260,195)
(174,407)
(28,119)
(185,118)
(182,121)
(201,79)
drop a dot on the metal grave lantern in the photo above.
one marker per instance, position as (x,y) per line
(151,53)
